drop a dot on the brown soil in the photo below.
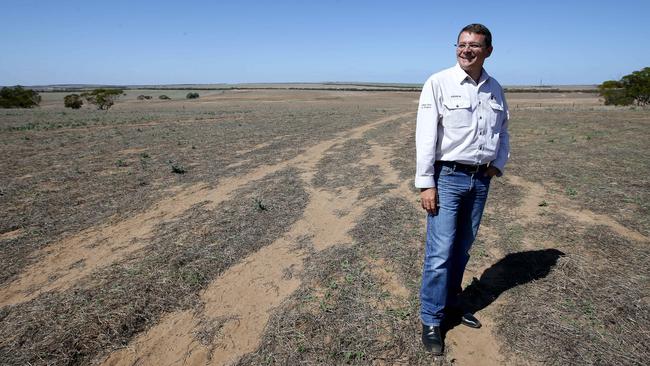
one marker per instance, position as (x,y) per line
(241,300)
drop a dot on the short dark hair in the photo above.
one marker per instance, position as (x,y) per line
(478,29)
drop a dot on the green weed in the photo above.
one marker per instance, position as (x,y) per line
(259,205)
(177,168)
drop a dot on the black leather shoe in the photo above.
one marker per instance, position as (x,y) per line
(432,339)
(456,315)
(470,320)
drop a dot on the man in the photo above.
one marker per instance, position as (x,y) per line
(462,142)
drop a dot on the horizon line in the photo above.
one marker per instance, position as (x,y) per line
(234,85)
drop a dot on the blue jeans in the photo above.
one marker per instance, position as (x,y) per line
(450,234)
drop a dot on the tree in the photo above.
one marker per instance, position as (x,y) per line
(632,88)
(73,101)
(18,97)
(637,85)
(192,95)
(614,93)
(102,98)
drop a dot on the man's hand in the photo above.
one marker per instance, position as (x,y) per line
(429,199)
(491,171)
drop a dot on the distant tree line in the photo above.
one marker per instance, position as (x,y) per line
(631,89)
(546,90)
(19,97)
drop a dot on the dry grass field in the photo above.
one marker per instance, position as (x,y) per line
(281,227)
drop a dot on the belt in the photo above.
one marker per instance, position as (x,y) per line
(467,168)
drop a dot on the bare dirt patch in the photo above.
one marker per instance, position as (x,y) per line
(93,249)
(12,234)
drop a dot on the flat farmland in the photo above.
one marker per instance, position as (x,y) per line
(253,227)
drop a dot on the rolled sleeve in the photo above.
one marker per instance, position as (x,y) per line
(426,137)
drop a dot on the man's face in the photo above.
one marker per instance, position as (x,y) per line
(470,57)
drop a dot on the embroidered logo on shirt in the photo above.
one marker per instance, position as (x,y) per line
(426,106)
(455,96)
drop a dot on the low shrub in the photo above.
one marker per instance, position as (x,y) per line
(73,101)
(18,97)
(177,168)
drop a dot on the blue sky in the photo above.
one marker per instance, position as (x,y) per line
(169,42)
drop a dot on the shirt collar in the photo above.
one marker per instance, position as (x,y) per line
(461,75)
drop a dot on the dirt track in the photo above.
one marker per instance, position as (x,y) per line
(242,298)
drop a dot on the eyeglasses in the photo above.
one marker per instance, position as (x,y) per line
(471,46)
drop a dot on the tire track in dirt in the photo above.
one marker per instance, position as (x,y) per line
(62,264)
(241,300)
(537,194)
(246,294)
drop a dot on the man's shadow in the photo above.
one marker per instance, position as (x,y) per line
(512,270)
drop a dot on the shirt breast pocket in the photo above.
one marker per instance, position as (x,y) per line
(458,113)
(496,115)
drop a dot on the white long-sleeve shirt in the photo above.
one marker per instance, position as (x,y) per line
(462,121)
